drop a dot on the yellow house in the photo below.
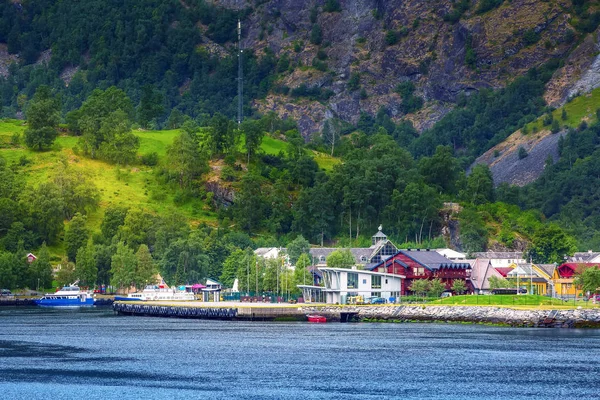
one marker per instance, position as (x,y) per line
(536,278)
(564,276)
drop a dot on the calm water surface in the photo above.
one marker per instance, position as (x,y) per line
(93,354)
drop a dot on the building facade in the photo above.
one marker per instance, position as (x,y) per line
(341,284)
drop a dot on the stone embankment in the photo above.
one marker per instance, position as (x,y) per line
(576,318)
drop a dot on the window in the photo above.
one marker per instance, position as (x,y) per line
(363,259)
(321,258)
(376,282)
(352,280)
(364,281)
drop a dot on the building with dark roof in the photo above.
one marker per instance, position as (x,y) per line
(423,264)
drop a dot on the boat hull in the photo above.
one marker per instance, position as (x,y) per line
(64,302)
(316,318)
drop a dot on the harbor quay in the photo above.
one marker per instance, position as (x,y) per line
(235,311)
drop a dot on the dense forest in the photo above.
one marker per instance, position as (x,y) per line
(141,67)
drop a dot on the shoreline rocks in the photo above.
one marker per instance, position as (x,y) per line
(576,318)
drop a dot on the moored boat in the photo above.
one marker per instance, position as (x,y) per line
(158,293)
(316,318)
(68,296)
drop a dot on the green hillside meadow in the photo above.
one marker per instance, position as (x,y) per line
(131,186)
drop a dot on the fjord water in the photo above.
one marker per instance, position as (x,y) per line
(91,353)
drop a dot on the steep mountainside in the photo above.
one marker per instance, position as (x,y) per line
(369,47)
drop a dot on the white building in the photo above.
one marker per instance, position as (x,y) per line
(502,259)
(341,283)
(452,254)
(269,252)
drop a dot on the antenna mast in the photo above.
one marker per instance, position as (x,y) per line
(240,74)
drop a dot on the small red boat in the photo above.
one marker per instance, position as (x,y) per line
(316,318)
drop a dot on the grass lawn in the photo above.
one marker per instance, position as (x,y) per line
(525,301)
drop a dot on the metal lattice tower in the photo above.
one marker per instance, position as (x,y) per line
(240,75)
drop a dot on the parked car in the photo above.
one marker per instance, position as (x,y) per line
(6,292)
(375,300)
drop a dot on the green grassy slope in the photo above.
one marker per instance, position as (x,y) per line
(581,108)
(131,186)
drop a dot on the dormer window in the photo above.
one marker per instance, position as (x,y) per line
(321,258)
(363,259)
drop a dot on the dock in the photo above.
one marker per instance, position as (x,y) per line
(217,310)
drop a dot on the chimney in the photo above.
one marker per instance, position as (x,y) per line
(589,252)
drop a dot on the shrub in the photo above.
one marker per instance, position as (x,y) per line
(316,35)
(522,153)
(332,6)
(391,37)
(150,159)
(555,126)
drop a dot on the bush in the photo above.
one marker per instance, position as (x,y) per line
(228,174)
(150,159)
(522,153)
(354,81)
(332,6)
(316,35)
(530,37)
(555,126)
(391,37)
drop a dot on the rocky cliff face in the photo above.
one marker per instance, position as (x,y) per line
(443,59)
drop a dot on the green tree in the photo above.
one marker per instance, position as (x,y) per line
(480,185)
(76,235)
(436,287)
(92,114)
(45,206)
(340,259)
(442,170)
(8,277)
(41,269)
(589,279)
(459,286)
(184,161)
(114,217)
(146,267)
(254,133)
(420,286)
(302,276)
(231,266)
(296,248)
(222,133)
(249,206)
(550,244)
(86,269)
(316,35)
(498,283)
(119,145)
(77,192)
(137,229)
(151,105)
(66,273)
(43,116)
(414,209)
(247,272)
(123,267)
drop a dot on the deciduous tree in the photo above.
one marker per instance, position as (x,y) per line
(43,116)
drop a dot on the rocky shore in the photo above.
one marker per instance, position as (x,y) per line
(575,318)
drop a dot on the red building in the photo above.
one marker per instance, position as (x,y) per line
(423,264)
